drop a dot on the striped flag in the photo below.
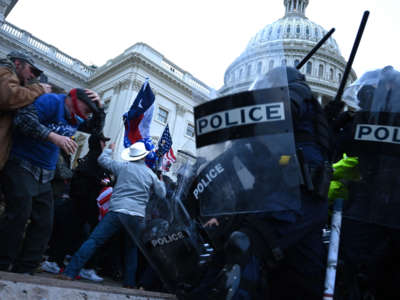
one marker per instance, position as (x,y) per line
(165,142)
(103,201)
(168,159)
(138,119)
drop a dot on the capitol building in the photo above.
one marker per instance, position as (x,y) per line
(119,80)
(294,35)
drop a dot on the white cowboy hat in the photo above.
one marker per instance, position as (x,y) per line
(135,152)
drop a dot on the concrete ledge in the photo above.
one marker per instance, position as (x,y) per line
(26,287)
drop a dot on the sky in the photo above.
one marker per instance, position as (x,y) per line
(201,37)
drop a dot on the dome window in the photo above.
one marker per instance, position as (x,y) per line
(279,30)
(240,73)
(307,30)
(316,33)
(288,29)
(330,74)
(271,64)
(309,68)
(259,67)
(321,71)
(284,61)
(296,62)
(339,77)
(298,29)
(248,73)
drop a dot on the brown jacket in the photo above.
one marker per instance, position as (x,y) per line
(12,97)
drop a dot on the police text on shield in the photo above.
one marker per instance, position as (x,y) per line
(211,174)
(241,116)
(377,133)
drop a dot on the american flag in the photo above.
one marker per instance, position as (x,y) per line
(165,142)
(168,159)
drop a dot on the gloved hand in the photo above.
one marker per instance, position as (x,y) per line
(333,109)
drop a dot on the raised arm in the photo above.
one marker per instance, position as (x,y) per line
(106,161)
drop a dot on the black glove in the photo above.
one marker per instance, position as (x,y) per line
(342,120)
(333,109)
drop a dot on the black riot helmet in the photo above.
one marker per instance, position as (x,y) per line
(366,96)
(375,90)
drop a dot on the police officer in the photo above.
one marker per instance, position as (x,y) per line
(287,245)
(371,235)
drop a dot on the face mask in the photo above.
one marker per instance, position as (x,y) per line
(79,120)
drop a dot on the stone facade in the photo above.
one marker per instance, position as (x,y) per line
(118,82)
(177,91)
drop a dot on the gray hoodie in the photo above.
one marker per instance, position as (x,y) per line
(135,181)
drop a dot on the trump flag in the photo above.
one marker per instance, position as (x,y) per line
(137,120)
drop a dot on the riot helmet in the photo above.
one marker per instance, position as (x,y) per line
(374,90)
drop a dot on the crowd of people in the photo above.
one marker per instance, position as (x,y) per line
(88,221)
(50,209)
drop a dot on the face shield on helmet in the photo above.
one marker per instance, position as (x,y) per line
(371,91)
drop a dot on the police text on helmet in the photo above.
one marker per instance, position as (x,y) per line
(241,116)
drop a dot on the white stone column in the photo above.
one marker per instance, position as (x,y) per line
(122,106)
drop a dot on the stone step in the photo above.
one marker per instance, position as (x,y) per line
(41,287)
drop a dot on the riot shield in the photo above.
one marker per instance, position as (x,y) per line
(176,246)
(374,97)
(246,143)
(376,141)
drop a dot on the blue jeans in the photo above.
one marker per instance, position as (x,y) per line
(112,223)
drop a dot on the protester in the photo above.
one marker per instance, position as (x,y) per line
(58,243)
(41,128)
(135,181)
(17,70)
(89,174)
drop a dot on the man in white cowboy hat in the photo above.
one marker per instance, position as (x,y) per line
(127,206)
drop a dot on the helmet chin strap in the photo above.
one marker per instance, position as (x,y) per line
(75,106)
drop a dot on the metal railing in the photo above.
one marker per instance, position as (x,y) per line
(38,45)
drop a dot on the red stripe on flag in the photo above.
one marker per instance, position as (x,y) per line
(134,133)
(170,155)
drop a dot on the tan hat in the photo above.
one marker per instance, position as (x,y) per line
(135,152)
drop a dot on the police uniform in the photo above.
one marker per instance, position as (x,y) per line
(371,235)
(295,261)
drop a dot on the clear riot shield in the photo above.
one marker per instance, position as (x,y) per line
(176,246)
(376,141)
(246,146)
(374,97)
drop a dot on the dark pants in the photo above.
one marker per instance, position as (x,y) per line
(371,255)
(68,234)
(300,273)
(26,199)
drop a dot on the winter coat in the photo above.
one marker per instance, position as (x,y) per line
(12,97)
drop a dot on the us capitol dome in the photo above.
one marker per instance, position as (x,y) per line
(298,35)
